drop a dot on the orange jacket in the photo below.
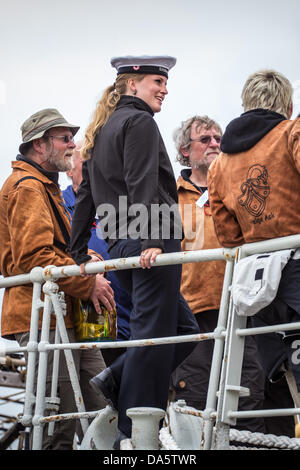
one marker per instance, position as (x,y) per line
(27,229)
(201,283)
(255,194)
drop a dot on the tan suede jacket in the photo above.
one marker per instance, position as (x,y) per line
(27,229)
(255,194)
(202,283)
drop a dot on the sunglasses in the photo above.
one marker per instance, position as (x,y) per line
(206,139)
(65,138)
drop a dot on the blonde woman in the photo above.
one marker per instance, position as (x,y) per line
(127,176)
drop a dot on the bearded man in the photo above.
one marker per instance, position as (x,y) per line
(31,209)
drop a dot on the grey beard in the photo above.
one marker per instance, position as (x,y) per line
(61,165)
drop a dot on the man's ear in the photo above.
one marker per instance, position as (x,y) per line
(185,152)
(37,145)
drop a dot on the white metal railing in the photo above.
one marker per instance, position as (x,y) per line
(224,377)
(229,387)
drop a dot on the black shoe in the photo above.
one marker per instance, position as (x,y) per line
(105,385)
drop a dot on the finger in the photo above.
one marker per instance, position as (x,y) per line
(143,260)
(148,259)
(108,292)
(153,256)
(97,306)
(108,302)
(106,287)
(82,269)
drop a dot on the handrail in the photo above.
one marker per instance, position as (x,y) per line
(42,274)
(39,276)
(275,244)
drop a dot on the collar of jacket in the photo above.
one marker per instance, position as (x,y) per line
(128,100)
(184,182)
(26,167)
(244,132)
(51,175)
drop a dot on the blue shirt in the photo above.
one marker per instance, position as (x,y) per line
(96,243)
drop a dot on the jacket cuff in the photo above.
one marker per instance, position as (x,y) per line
(145,244)
(95,253)
(81,259)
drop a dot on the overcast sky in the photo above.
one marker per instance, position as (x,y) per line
(57,54)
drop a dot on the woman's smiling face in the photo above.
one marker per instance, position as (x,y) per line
(152,89)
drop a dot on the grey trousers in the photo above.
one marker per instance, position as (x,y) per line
(88,363)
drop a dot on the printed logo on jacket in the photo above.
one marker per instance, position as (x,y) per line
(255,191)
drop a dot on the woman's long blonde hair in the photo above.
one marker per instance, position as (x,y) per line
(105,107)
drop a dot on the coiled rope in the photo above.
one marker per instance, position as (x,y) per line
(269,441)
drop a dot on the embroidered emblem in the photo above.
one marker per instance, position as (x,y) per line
(136,67)
(255,190)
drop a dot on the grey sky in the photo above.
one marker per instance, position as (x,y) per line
(56,54)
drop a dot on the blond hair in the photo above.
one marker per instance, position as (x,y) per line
(105,107)
(270,90)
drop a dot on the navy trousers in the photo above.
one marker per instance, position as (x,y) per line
(159,310)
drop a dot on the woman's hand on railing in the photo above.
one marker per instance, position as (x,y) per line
(149,256)
(104,293)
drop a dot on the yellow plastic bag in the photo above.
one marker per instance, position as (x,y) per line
(89,326)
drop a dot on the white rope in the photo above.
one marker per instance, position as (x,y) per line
(166,440)
(268,440)
(248,448)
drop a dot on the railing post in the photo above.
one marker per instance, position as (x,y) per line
(222,440)
(42,370)
(232,385)
(36,277)
(216,364)
(69,358)
(54,383)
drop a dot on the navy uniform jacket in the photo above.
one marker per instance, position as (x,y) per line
(130,161)
(96,243)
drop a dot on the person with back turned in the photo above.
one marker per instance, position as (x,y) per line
(254,187)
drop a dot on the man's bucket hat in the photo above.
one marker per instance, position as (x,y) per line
(36,125)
